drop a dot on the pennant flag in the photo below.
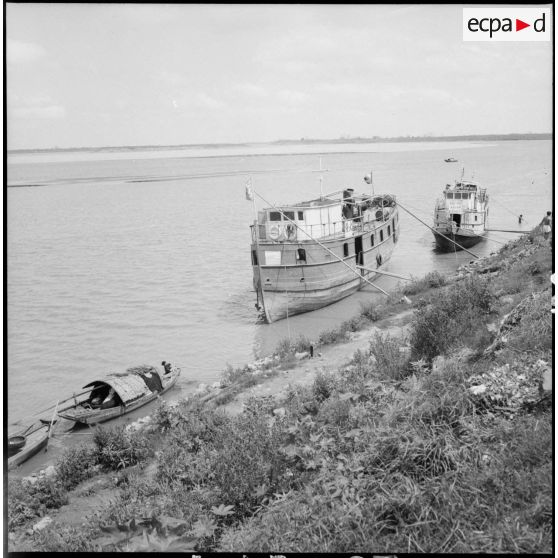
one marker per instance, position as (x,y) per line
(249,192)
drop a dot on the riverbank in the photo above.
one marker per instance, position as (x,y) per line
(422,425)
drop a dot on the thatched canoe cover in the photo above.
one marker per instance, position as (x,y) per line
(132,385)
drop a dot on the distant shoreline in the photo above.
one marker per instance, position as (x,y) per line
(303,141)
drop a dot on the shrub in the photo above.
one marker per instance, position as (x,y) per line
(117,448)
(534,330)
(434,279)
(233,375)
(76,465)
(323,386)
(451,317)
(287,347)
(391,362)
(372,311)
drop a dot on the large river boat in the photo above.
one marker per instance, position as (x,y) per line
(310,254)
(460,216)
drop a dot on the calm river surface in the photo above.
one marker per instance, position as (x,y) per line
(133,257)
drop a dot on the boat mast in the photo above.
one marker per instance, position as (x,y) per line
(259,288)
(321,181)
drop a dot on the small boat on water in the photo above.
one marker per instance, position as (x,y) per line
(460,216)
(118,394)
(26,444)
(310,254)
(451,160)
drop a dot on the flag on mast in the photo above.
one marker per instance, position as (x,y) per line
(249,191)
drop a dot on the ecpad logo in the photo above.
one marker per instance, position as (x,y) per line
(506,24)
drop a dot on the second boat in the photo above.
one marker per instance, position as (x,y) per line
(460,216)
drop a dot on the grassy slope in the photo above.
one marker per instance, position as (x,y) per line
(438,442)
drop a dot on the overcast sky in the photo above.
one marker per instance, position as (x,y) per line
(124,74)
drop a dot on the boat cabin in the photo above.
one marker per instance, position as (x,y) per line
(323,218)
(116,390)
(463,204)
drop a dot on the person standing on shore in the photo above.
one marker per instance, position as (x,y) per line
(545,224)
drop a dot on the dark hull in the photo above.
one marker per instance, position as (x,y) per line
(464,241)
(34,443)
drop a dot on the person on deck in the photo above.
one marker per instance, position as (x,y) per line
(167,366)
(520,219)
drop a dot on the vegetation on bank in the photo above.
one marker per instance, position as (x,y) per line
(437,442)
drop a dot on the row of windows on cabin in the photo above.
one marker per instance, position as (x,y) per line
(346,246)
(286,215)
(458,195)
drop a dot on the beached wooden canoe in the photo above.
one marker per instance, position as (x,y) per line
(23,446)
(118,394)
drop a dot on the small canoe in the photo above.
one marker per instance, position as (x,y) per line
(118,394)
(22,447)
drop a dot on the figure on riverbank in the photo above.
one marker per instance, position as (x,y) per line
(545,224)
(520,220)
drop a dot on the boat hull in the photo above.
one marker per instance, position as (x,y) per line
(77,413)
(34,443)
(285,291)
(461,240)
(279,306)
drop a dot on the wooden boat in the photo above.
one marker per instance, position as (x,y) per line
(450,160)
(460,216)
(313,253)
(25,445)
(118,394)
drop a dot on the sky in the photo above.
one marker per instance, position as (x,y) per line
(93,75)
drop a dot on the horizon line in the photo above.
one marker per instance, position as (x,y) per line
(355,139)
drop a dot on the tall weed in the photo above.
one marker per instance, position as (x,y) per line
(450,318)
(391,362)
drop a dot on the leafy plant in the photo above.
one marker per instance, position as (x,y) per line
(118,448)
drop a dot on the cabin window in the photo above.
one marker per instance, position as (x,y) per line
(301,215)
(381,236)
(449,195)
(254,257)
(301,255)
(458,196)
(389,230)
(289,215)
(345,249)
(372,240)
(274,216)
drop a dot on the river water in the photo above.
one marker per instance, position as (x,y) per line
(131,257)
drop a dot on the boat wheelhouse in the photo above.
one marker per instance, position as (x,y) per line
(460,216)
(313,253)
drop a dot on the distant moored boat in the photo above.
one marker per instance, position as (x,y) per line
(460,216)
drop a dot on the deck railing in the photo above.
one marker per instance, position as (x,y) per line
(322,231)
